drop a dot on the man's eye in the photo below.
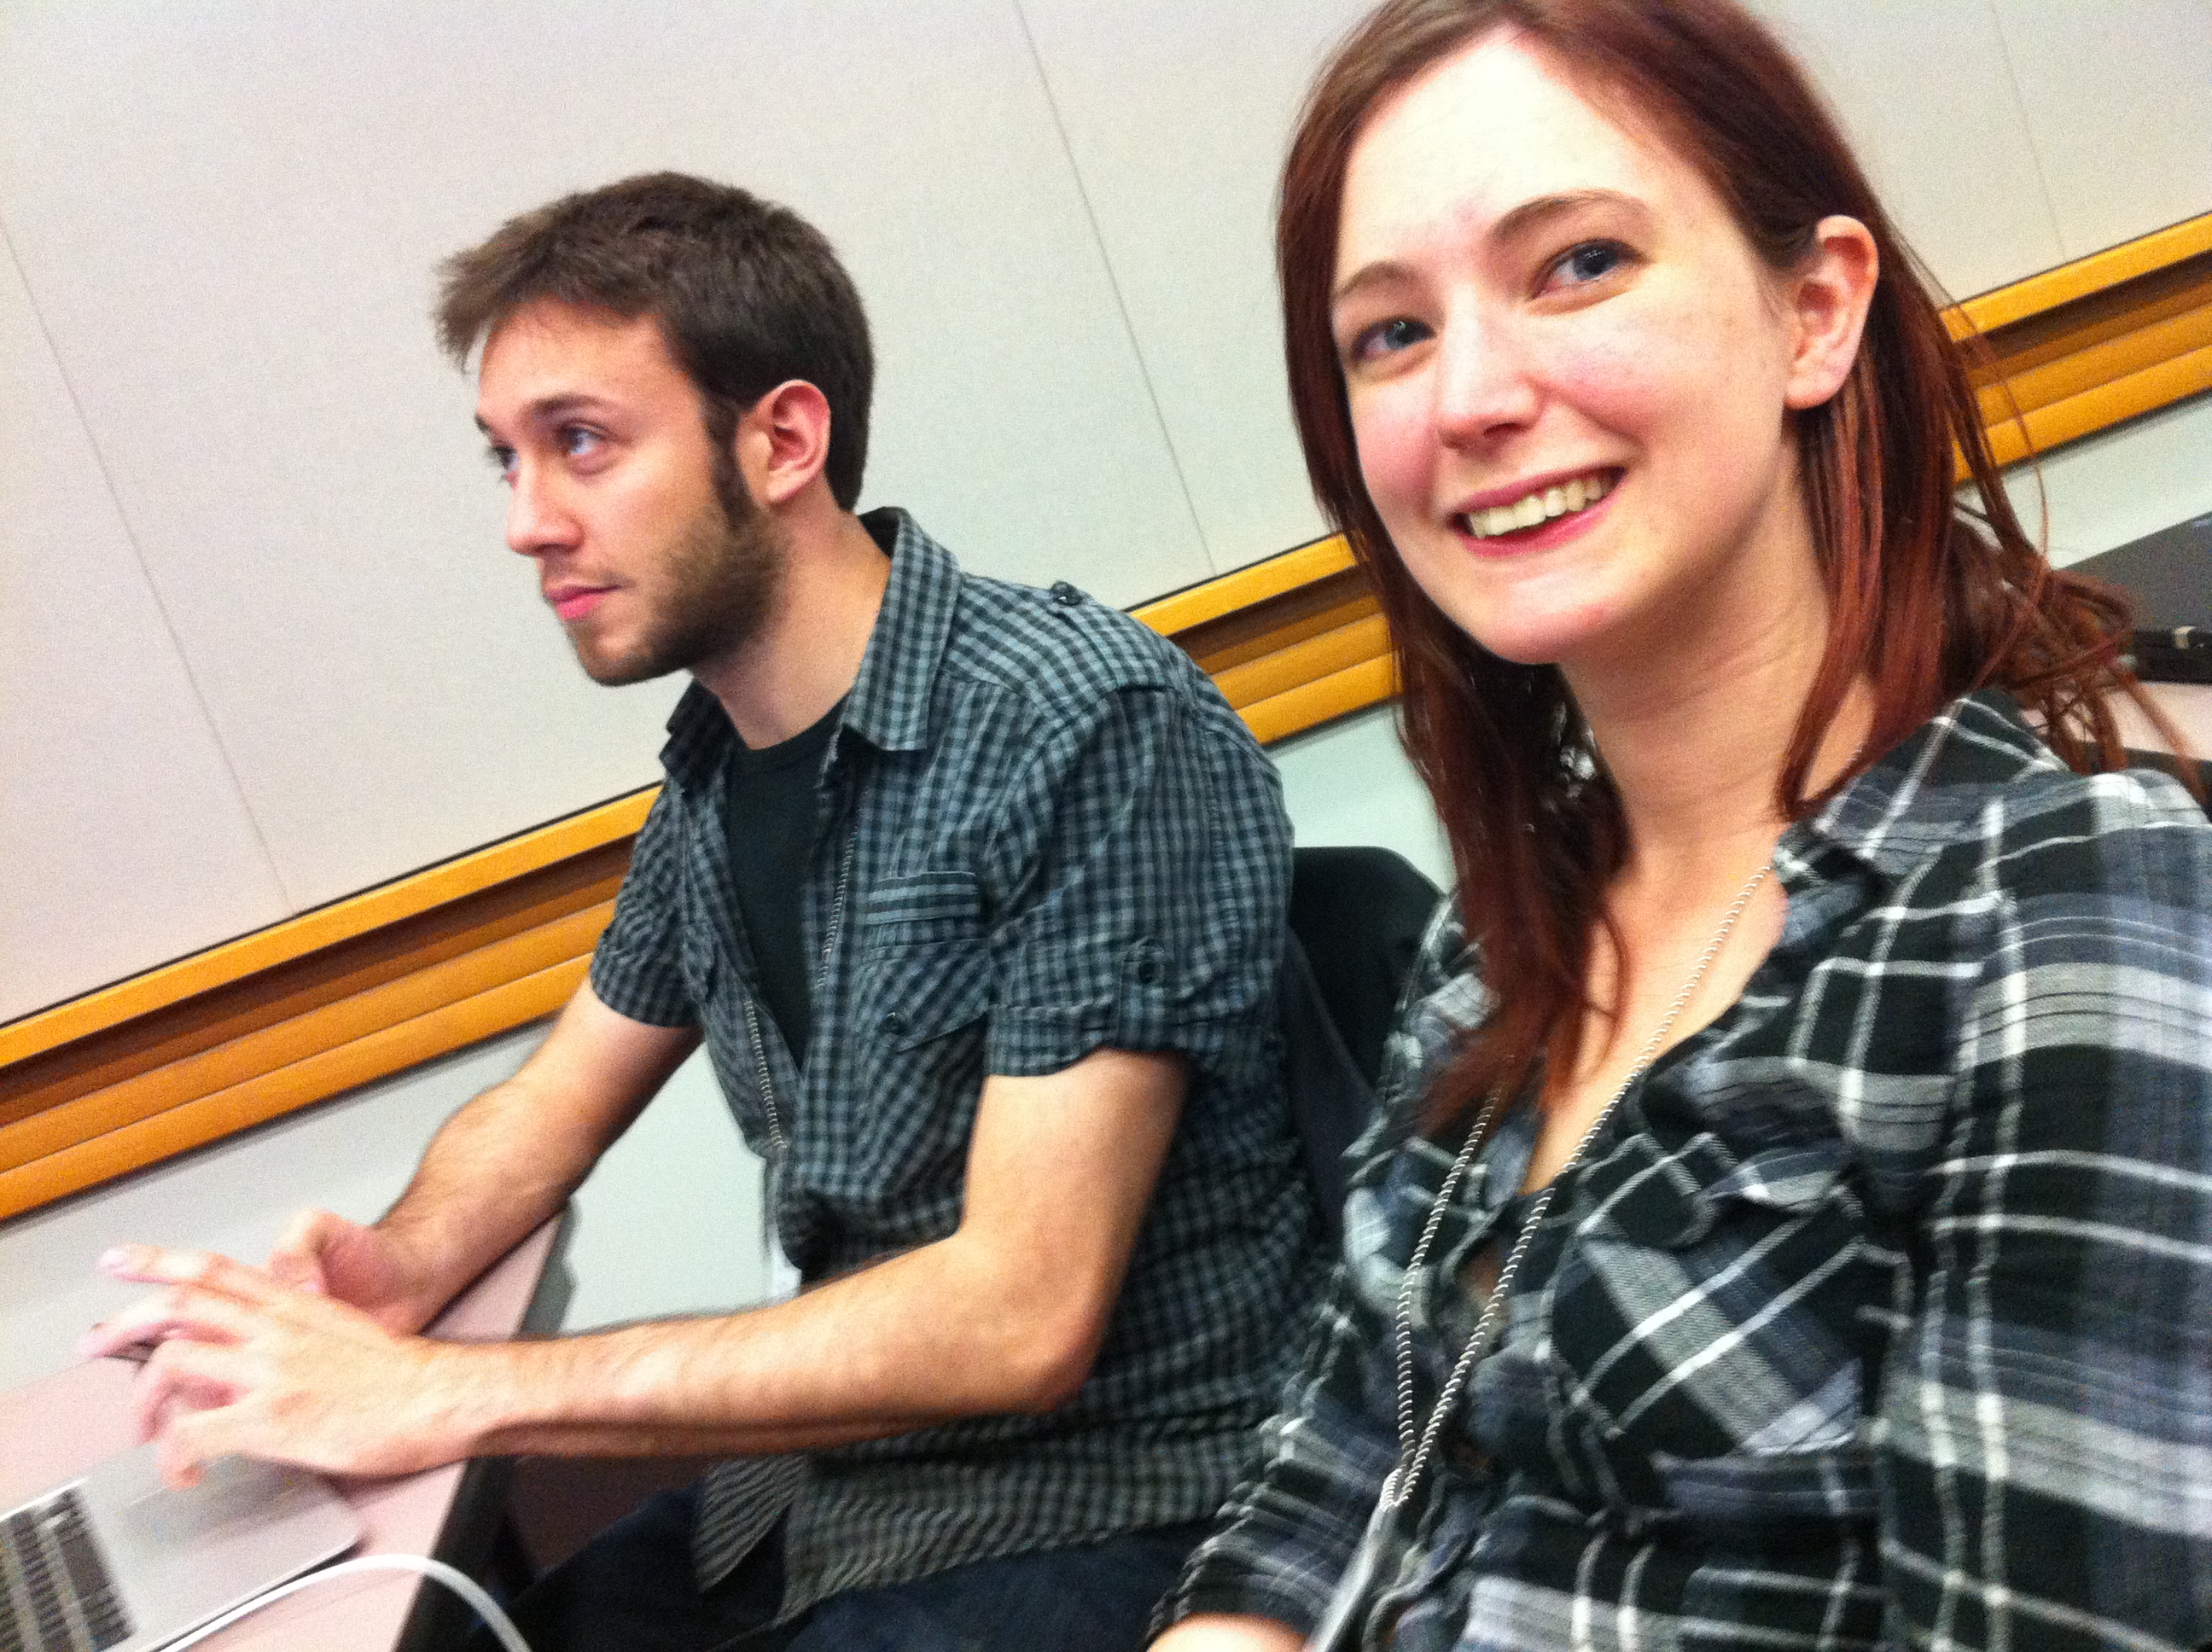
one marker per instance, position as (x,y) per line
(501,459)
(579,441)
(1386,338)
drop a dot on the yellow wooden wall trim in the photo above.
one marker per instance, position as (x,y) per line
(1246,587)
(2102,406)
(203,1118)
(366,986)
(2054,288)
(1353,688)
(291,1042)
(342,921)
(1271,676)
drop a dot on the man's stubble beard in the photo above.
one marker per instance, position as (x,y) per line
(724,573)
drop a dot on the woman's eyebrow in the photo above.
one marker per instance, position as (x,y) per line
(1528,218)
(1381,273)
(1542,210)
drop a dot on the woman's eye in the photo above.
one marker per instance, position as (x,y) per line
(1386,338)
(579,441)
(502,460)
(1591,261)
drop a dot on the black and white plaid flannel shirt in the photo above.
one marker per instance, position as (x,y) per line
(1044,833)
(1883,1314)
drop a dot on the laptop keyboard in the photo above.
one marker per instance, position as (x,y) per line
(56,1595)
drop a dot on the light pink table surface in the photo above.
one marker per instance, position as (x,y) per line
(2190,705)
(399,1516)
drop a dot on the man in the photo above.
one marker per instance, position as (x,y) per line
(974,894)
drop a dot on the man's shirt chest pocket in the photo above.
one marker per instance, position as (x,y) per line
(924,963)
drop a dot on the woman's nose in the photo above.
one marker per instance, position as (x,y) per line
(1483,386)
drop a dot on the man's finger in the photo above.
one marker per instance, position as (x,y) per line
(184,1311)
(189,1442)
(181,1378)
(208,1269)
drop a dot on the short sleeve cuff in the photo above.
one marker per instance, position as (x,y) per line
(1026,1042)
(630,986)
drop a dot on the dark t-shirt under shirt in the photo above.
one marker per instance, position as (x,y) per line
(774,816)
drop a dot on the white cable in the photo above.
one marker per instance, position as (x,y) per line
(460,1582)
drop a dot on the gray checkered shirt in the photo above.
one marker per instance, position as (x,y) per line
(1044,833)
(1882,1316)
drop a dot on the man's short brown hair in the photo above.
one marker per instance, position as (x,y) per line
(748,295)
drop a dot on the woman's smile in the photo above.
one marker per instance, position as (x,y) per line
(1566,371)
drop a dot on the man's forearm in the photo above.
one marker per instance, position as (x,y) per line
(1006,1314)
(923,1338)
(486,1182)
(511,1157)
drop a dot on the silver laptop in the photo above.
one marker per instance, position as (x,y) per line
(113,1561)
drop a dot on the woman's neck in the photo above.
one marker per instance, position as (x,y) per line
(1696,739)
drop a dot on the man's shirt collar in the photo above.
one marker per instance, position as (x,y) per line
(889,704)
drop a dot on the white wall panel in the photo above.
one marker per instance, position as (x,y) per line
(123,837)
(1178,118)
(2118,98)
(1350,782)
(229,213)
(1179,158)
(2121,484)
(1927,99)
(669,1222)
(671,1219)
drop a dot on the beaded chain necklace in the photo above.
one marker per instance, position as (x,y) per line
(1414,1455)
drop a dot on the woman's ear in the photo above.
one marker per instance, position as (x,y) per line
(783,441)
(1827,297)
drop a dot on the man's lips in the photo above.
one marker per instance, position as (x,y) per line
(573,602)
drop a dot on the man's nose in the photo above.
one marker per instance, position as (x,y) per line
(538,521)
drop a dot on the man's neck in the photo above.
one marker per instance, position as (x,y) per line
(807,654)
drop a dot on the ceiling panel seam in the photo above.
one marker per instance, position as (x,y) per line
(1114,285)
(145,574)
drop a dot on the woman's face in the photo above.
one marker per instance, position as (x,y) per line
(1567,372)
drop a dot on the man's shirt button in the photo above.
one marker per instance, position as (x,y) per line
(894,1024)
(1066,594)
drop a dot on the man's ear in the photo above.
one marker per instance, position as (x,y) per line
(1828,296)
(783,441)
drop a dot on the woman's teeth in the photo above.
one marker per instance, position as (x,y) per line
(1540,507)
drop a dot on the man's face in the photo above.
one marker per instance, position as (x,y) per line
(651,552)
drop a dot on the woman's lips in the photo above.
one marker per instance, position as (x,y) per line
(1544,534)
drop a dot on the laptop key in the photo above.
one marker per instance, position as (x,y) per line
(55,1592)
(98,1600)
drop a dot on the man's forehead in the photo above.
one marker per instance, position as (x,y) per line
(549,352)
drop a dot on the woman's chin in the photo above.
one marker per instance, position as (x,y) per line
(1563,641)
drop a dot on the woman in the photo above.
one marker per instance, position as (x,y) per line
(1875,1312)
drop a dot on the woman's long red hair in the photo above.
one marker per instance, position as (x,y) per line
(1928,599)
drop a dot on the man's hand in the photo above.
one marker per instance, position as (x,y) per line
(245,1363)
(327,1255)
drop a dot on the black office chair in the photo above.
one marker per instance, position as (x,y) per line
(1357,918)
(2180,768)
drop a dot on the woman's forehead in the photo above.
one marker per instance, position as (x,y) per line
(1486,130)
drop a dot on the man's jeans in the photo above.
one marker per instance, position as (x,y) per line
(631,1589)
